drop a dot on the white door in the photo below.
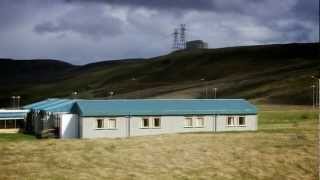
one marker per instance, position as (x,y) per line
(69,126)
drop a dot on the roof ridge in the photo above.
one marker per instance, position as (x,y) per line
(160,99)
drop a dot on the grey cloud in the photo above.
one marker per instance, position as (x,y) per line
(265,9)
(142,28)
(155,4)
(307,9)
(89,22)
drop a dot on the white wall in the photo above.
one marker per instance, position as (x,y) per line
(89,128)
(169,124)
(251,124)
(69,126)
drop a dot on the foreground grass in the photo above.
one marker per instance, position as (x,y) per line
(283,148)
(15,137)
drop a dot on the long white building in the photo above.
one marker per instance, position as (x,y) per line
(124,118)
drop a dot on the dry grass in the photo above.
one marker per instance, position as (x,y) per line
(280,150)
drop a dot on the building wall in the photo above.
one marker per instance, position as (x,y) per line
(196,45)
(90,130)
(169,124)
(250,125)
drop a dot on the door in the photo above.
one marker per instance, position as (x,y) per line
(69,126)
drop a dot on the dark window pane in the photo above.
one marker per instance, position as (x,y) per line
(2,124)
(230,120)
(99,123)
(145,122)
(242,121)
(156,122)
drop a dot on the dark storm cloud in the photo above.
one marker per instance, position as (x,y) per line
(306,8)
(155,4)
(143,28)
(87,21)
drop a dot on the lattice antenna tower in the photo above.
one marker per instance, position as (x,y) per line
(183,29)
(175,39)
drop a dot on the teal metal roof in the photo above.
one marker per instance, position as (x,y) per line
(38,104)
(146,107)
(164,107)
(52,105)
(12,115)
(65,106)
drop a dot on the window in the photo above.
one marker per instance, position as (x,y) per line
(99,123)
(156,123)
(145,123)
(112,123)
(188,122)
(242,121)
(230,121)
(200,122)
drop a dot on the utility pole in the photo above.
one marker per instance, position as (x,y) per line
(75,94)
(318,127)
(18,102)
(215,92)
(313,96)
(317,94)
(13,101)
(206,87)
(137,91)
(111,93)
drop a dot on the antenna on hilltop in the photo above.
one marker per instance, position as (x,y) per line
(182,36)
(175,39)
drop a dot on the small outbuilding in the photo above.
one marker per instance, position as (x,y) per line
(78,118)
(197,44)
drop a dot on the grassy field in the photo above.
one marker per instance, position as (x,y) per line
(283,148)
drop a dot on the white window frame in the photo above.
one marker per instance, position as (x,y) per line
(142,123)
(106,123)
(109,123)
(102,123)
(186,124)
(198,120)
(232,121)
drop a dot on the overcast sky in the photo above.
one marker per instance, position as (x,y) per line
(84,31)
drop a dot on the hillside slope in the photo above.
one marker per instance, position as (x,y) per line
(269,74)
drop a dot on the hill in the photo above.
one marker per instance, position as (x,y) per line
(279,74)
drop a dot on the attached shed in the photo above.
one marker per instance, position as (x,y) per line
(52,117)
(124,118)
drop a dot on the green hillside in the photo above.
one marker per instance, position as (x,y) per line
(279,74)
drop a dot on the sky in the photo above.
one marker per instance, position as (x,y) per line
(85,31)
